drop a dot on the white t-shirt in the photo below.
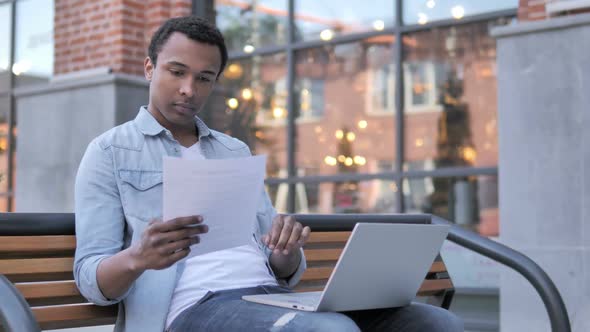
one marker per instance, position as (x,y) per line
(238,267)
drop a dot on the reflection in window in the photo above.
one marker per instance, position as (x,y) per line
(450,96)
(376,196)
(380,90)
(340,126)
(468,201)
(247,25)
(425,11)
(5,23)
(422,82)
(328,18)
(34,41)
(310,98)
(249,103)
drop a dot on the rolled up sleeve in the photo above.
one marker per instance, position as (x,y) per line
(100,222)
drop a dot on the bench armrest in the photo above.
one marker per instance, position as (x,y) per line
(15,314)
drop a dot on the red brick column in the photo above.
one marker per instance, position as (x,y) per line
(108,33)
(531,10)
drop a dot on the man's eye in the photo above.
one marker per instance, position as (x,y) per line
(176,72)
(203,79)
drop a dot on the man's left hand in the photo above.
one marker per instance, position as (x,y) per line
(286,235)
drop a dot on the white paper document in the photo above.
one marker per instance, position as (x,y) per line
(226,192)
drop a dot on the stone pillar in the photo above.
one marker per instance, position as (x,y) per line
(100,46)
(544,120)
(56,123)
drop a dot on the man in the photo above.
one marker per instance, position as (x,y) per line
(125,254)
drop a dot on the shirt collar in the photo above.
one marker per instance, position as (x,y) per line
(148,125)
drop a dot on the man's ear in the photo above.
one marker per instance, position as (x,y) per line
(148,68)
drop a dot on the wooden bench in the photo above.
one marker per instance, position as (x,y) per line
(40,267)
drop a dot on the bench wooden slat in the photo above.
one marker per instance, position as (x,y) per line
(37,244)
(317,273)
(38,269)
(313,255)
(328,237)
(438,267)
(433,287)
(39,290)
(50,293)
(74,315)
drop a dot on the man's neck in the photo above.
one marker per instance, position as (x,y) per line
(185,135)
(186,141)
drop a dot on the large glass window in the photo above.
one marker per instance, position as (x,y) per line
(425,11)
(5,24)
(345,107)
(470,201)
(450,97)
(247,25)
(34,41)
(328,18)
(375,196)
(250,103)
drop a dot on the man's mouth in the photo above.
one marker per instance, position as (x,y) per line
(185,107)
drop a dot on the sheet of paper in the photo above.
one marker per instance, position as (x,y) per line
(226,192)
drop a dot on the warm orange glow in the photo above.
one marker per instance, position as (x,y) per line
(233,71)
(331,161)
(278,112)
(350,136)
(247,94)
(469,154)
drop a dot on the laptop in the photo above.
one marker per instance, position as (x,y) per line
(381,266)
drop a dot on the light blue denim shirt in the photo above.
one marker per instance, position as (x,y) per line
(118,191)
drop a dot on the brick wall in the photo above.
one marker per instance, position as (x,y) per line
(531,10)
(108,33)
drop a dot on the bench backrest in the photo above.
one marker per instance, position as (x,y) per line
(40,266)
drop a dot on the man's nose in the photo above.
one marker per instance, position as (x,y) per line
(187,88)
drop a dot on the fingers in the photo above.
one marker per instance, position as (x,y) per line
(175,224)
(172,247)
(184,233)
(178,255)
(288,225)
(304,236)
(293,238)
(275,232)
(286,235)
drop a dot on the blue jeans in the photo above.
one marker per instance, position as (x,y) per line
(226,311)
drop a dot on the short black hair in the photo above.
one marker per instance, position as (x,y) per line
(193,27)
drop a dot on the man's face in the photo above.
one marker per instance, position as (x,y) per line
(181,80)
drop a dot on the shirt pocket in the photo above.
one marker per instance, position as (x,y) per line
(141,193)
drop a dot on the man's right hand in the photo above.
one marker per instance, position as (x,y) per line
(164,243)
